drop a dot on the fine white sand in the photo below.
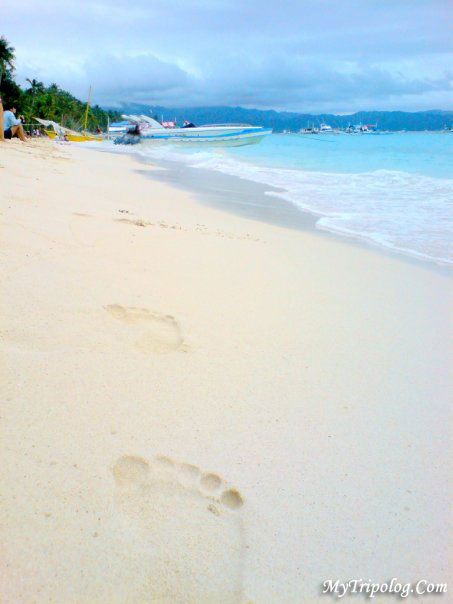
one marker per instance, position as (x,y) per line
(199,408)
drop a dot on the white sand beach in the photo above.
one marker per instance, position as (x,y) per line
(201,408)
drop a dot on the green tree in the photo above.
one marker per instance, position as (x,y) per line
(50,103)
(7,58)
(35,88)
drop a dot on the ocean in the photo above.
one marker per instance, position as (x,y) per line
(393,191)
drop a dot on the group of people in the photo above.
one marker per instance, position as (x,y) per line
(10,125)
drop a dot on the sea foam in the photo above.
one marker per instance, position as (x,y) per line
(406,212)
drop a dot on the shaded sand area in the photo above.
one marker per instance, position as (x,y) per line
(200,408)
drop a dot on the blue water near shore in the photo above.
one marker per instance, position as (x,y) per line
(395,191)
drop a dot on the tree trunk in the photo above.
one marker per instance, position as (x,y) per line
(2,137)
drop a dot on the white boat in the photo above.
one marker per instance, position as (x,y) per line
(152,131)
(309,130)
(119,127)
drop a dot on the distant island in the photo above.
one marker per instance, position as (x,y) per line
(293,122)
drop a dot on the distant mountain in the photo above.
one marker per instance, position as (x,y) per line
(282,120)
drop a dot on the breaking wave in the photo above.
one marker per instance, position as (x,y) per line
(405,212)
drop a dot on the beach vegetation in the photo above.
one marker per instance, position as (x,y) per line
(6,58)
(46,102)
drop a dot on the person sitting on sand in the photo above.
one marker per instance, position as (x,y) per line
(12,126)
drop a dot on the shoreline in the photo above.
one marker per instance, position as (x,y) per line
(230,410)
(283,213)
(268,205)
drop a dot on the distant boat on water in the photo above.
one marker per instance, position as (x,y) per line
(309,130)
(323,128)
(369,129)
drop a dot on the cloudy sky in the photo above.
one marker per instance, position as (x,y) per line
(296,55)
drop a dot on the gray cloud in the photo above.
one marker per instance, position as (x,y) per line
(305,55)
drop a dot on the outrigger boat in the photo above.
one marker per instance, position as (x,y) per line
(66,133)
(152,131)
(55,130)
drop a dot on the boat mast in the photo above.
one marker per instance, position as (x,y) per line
(86,110)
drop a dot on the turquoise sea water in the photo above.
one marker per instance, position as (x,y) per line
(419,153)
(395,191)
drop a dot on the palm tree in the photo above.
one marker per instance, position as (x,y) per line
(35,87)
(7,57)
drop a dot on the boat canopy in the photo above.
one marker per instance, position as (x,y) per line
(60,130)
(151,121)
(139,119)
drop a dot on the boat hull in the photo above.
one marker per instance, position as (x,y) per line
(74,138)
(219,136)
(230,142)
(82,138)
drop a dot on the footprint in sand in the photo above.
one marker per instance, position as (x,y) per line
(137,222)
(142,223)
(156,332)
(188,525)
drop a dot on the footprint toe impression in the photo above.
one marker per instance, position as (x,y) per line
(192,540)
